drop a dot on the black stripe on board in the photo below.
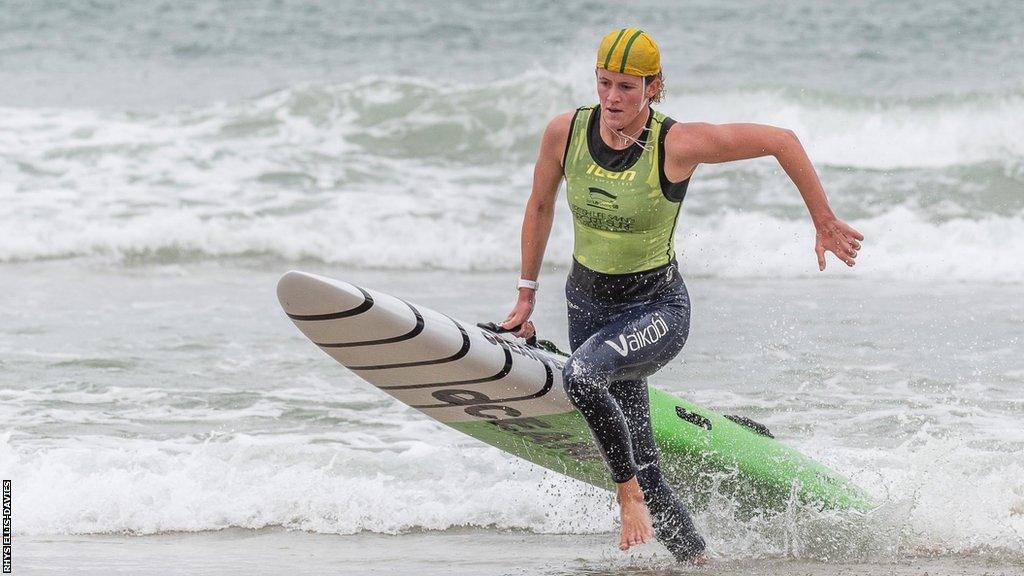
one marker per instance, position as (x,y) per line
(498,376)
(462,352)
(548,383)
(366,305)
(408,335)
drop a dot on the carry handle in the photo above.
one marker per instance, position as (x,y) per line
(497,329)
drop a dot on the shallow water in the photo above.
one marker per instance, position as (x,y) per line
(161,164)
(174,398)
(458,551)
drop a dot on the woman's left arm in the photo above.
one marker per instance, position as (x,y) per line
(690,144)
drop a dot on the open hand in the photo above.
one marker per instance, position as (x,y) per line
(839,238)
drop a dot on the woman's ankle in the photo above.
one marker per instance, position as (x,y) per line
(629,491)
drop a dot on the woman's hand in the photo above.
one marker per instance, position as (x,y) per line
(838,237)
(520,314)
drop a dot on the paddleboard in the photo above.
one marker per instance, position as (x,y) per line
(509,394)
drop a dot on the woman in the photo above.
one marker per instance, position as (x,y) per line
(626,169)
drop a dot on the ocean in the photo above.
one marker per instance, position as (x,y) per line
(163,163)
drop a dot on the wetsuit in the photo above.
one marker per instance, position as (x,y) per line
(629,312)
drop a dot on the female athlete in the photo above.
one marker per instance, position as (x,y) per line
(627,168)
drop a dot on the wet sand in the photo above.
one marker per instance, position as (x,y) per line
(460,551)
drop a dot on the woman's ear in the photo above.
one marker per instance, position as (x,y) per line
(653,89)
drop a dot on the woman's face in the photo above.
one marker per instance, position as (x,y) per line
(621,97)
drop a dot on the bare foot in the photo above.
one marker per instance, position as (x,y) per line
(636,519)
(700,559)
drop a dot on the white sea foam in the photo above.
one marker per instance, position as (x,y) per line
(407,174)
(876,135)
(255,481)
(899,244)
(144,487)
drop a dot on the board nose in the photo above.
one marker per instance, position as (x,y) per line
(302,294)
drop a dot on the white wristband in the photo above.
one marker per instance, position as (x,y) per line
(531,284)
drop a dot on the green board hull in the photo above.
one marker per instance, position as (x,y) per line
(702,453)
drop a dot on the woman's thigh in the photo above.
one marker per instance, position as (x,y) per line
(635,343)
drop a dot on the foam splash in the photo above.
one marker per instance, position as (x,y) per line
(223,480)
(900,245)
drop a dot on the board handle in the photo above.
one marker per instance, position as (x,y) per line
(532,341)
(497,329)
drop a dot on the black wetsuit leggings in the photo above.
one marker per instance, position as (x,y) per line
(621,330)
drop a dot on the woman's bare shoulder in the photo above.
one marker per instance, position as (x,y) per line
(560,124)
(683,134)
(556,135)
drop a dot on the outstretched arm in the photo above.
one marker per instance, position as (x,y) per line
(697,143)
(540,212)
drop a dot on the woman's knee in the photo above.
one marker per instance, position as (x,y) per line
(583,382)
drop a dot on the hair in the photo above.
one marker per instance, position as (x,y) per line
(657,98)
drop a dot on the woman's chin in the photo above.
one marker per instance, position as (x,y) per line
(614,122)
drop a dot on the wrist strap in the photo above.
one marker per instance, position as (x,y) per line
(524,283)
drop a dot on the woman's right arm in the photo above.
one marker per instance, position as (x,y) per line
(540,212)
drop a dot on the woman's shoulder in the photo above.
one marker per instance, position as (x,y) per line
(560,124)
(563,122)
(689,136)
(556,136)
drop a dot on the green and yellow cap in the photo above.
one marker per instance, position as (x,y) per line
(630,51)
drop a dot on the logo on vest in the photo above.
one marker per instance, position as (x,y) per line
(595,170)
(602,199)
(641,338)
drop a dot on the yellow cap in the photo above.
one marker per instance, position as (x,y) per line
(629,51)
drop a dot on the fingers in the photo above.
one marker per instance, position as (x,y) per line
(846,253)
(518,319)
(840,239)
(843,251)
(850,246)
(849,231)
(527,330)
(850,239)
(515,318)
